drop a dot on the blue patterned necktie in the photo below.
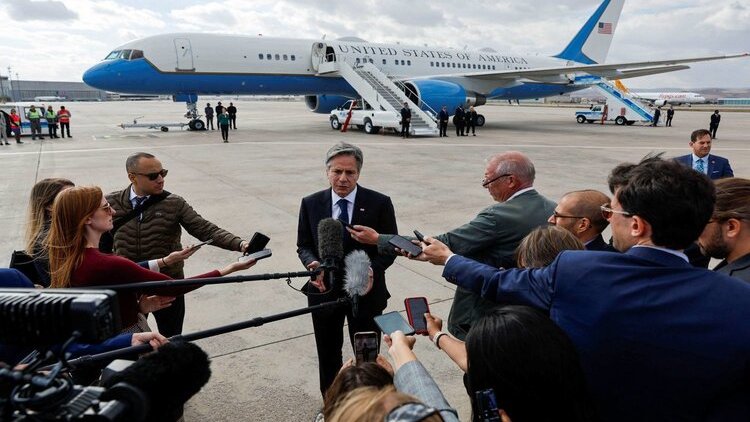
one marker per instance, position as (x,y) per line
(699,166)
(344,210)
(139,200)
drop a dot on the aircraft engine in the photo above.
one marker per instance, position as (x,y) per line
(659,103)
(437,93)
(323,104)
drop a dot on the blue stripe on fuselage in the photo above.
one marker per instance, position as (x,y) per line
(531,91)
(141,77)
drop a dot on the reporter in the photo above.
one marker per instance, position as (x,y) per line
(540,247)
(80,216)
(385,404)
(353,376)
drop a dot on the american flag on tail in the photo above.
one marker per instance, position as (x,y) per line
(605,28)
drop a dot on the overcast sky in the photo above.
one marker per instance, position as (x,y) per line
(59,40)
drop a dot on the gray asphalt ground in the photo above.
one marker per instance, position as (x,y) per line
(255,183)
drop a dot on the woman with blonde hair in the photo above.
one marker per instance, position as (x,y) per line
(382,404)
(540,247)
(80,216)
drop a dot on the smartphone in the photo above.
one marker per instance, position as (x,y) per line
(420,237)
(203,243)
(393,321)
(257,243)
(405,244)
(262,254)
(416,307)
(366,346)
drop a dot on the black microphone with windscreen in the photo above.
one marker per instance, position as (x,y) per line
(357,278)
(330,249)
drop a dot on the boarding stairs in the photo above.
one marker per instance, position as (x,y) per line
(621,101)
(378,90)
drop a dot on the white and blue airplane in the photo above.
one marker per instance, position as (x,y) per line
(186,65)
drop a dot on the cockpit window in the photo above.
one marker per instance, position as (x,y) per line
(113,55)
(137,54)
(125,54)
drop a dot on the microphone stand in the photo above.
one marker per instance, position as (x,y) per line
(198,335)
(205,281)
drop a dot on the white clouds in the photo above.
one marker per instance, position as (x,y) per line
(647,30)
(46,10)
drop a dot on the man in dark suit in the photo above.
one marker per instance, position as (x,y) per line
(657,114)
(727,234)
(714,125)
(701,160)
(670,116)
(353,204)
(443,119)
(405,120)
(493,235)
(578,212)
(658,338)
(458,120)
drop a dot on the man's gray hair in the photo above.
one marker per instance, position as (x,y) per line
(131,164)
(515,163)
(342,148)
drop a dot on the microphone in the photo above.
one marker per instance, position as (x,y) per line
(168,378)
(330,248)
(357,277)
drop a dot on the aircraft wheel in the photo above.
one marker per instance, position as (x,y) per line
(581,119)
(164,129)
(480,120)
(197,125)
(620,120)
(335,124)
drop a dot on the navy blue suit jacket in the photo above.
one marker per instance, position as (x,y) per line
(718,167)
(658,339)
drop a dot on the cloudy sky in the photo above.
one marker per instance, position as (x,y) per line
(58,40)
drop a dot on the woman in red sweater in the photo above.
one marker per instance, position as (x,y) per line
(80,215)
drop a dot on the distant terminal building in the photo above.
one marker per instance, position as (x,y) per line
(734,101)
(65,91)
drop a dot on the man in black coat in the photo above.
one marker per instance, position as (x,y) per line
(209,112)
(347,201)
(670,115)
(405,120)
(443,121)
(657,113)
(579,213)
(458,120)
(219,110)
(232,110)
(714,126)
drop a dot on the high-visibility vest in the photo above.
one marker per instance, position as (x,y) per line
(34,114)
(63,116)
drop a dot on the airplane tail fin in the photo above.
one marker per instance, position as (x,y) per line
(621,86)
(591,43)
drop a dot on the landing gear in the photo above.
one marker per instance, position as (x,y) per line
(192,114)
(480,120)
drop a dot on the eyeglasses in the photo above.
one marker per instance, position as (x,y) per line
(155,175)
(106,207)
(608,212)
(556,215)
(486,182)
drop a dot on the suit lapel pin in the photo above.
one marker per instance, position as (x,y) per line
(362,210)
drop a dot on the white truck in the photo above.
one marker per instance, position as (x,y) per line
(621,108)
(364,117)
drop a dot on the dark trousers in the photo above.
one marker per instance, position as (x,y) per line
(404,129)
(668,121)
(52,129)
(36,128)
(63,126)
(329,338)
(443,128)
(459,130)
(169,320)
(210,122)
(225,132)
(233,121)
(472,127)
(713,128)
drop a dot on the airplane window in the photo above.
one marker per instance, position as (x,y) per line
(408,62)
(383,61)
(454,65)
(268,56)
(395,61)
(292,57)
(475,66)
(285,57)
(137,54)
(442,64)
(277,57)
(372,62)
(113,55)
(260,56)
(357,59)
(493,67)
(125,54)
(402,63)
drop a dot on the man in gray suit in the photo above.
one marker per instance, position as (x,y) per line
(493,235)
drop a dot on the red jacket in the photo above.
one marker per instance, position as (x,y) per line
(63,116)
(15,121)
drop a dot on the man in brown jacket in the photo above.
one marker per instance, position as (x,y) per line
(156,232)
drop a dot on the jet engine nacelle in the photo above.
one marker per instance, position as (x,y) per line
(659,103)
(323,104)
(437,94)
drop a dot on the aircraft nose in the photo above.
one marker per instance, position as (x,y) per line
(97,75)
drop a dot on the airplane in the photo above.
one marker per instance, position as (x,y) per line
(658,99)
(186,65)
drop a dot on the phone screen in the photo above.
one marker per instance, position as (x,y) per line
(417,307)
(366,346)
(405,244)
(393,321)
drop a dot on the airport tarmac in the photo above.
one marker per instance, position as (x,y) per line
(256,182)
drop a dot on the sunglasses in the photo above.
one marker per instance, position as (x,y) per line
(557,215)
(155,175)
(608,212)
